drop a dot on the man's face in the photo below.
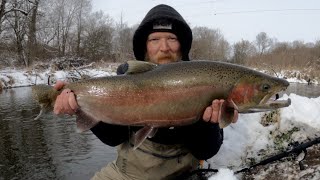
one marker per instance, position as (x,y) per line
(162,48)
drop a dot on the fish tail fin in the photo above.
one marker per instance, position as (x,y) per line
(142,134)
(39,115)
(45,96)
(84,121)
(43,108)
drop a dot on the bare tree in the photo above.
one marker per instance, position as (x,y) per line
(2,12)
(97,41)
(84,8)
(209,44)
(263,42)
(17,19)
(241,51)
(122,41)
(12,8)
(32,38)
(63,15)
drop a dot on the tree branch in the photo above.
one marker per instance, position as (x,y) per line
(19,10)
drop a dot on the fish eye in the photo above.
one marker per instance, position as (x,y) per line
(265,87)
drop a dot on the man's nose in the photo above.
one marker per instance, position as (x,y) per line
(164,46)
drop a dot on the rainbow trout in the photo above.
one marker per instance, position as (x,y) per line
(174,94)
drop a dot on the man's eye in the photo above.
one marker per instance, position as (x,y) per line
(172,39)
(154,39)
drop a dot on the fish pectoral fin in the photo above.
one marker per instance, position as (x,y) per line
(84,121)
(226,114)
(135,67)
(232,104)
(142,134)
(153,132)
(226,119)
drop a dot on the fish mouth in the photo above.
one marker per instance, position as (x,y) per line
(275,104)
(269,105)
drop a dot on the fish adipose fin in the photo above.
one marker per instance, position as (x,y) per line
(135,67)
(142,134)
(84,121)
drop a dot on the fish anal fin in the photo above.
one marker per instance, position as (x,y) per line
(84,121)
(142,134)
(135,67)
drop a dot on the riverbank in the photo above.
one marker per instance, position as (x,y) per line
(12,78)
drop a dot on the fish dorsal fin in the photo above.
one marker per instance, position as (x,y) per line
(135,67)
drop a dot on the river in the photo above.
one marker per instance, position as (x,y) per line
(50,148)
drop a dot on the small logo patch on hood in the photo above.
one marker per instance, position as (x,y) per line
(160,26)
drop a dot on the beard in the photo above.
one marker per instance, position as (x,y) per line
(164,58)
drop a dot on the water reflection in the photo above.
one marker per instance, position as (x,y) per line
(48,148)
(311,90)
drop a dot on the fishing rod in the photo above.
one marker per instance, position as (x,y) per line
(296,150)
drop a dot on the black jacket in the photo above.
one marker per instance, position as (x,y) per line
(202,139)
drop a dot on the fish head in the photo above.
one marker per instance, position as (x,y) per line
(254,91)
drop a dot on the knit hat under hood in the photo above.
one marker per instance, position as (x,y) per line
(158,14)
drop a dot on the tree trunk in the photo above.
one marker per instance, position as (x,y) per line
(79,29)
(2,12)
(32,40)
(19,38)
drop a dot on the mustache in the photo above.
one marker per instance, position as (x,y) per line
(165,57)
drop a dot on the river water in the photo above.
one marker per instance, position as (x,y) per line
(50,148)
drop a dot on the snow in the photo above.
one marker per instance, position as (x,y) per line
(247,139)
(225,174)
(20,78)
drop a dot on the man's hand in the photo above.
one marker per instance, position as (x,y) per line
(66,102)
(214,112)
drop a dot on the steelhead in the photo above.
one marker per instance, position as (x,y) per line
(167,95)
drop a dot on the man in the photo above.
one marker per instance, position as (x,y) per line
(162,37)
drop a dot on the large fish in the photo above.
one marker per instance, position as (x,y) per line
(174,94)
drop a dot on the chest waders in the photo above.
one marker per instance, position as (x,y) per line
(149,161)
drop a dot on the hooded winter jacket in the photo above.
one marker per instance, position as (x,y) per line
(202,139)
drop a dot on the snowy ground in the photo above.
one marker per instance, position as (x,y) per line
(257,136)
(18,78)
(253,138)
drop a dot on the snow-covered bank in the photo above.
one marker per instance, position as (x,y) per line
(250,141)
(294,76)
(10,78)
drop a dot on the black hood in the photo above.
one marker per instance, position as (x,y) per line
(179,27)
